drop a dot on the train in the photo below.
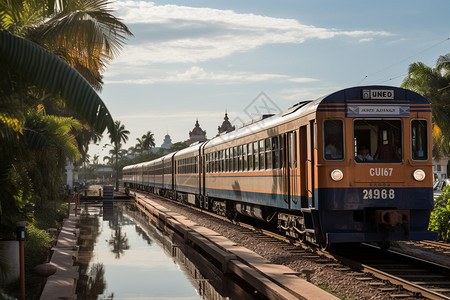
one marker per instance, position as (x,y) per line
(352,166)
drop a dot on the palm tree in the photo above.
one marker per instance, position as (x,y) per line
(84,35)
(148,140)
(434,84)
(28,74)
(117,136)
(139,145)
(84,32)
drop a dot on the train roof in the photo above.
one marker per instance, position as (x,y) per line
(189,150)
(365,93)
(344,96)
(160,159)
(134,166)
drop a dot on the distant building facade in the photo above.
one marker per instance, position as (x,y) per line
(165,145)
(226,126)
(196,135)
(167,142)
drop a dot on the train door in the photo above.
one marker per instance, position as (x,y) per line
(202,170)
(303,166)
(292,170)
(310,163)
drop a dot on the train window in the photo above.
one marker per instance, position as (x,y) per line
(333,139)
(222,160)
(234,165)
(255,156)
(292,140)
(419,140)
(208,163)
(228,159)
(250,156)
(216,161)
(219,161)
(244,158)
(239,158)
(275,152)
(261,154)
(377,141)
(268,153)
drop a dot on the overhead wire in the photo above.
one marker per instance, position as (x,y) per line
(396,63)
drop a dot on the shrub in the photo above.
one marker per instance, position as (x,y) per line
(440,216)
(50,214)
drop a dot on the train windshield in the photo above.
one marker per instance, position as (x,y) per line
(333,139)
(419,140)
(377,141)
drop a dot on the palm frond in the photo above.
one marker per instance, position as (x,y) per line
(45,70)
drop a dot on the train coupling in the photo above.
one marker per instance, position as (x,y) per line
(392,217)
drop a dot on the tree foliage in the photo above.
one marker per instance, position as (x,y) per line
(434,84)
(440,216)
(52,55)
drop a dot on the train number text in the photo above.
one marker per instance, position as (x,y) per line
(381,172)
(369,194)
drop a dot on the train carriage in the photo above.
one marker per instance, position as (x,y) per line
(132,176)
(167,175)
(148,176)
(187,174)
(128,176)
(246,169)
(353,166)
(158,177)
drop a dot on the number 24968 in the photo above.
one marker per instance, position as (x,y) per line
(369,194)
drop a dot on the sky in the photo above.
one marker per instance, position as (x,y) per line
(196,60)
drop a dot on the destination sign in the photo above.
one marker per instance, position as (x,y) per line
(378,94)
(363,110)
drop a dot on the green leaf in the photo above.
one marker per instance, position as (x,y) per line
(40,67)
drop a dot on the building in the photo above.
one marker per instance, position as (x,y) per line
(226,126)
(165,145)
(440,167)
(196,135)
(167,142)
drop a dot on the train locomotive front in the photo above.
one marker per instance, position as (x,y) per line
(373,176)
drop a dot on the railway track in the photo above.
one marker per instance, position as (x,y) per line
(436,246)
(416,275)
(366,262)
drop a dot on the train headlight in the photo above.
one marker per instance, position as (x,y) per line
(337,175)
(419,175)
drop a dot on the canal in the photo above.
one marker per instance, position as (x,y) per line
(123,256)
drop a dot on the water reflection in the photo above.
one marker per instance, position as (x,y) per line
(118,258)
(123,255)
(118,240)
(96,283)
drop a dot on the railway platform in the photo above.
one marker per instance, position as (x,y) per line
(62,284)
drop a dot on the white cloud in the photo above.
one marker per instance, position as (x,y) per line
(303,80)
(198,74)
(181,34)
(366,40)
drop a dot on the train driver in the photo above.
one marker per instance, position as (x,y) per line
(363,154)
(333,150)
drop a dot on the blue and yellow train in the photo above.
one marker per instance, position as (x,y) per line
(353,166)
